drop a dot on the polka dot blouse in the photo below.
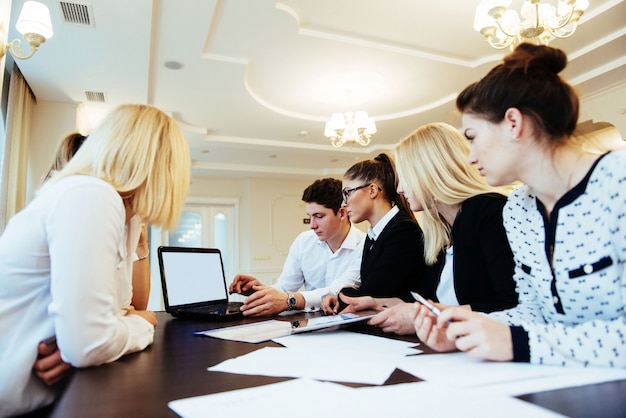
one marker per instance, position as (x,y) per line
(572,308)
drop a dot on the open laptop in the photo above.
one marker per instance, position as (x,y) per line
(194,284)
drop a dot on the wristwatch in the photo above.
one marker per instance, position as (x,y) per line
(291,301)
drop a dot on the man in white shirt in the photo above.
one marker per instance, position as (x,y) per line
(324,259)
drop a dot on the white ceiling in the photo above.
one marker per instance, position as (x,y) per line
(260,77)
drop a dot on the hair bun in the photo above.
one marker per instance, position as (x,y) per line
(536,58)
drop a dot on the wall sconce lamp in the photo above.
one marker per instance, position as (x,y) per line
(35,26)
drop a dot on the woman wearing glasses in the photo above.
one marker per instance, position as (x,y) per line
(468,258)
(392,256)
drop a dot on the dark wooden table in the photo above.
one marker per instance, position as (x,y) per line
(175,367)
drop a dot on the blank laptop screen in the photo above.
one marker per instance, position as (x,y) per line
(193,277)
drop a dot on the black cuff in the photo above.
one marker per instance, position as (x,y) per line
(348,291)
(521,349)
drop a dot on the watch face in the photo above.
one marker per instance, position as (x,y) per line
(292,301)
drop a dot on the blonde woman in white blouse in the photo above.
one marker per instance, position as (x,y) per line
(66,260)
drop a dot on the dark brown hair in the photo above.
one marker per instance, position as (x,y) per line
(325,192)
(65,151)
(528,79)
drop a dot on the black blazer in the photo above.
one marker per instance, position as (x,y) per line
(393,264)
(482,259)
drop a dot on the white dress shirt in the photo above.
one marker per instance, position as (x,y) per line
(446,293)
(374,232)
(311,263)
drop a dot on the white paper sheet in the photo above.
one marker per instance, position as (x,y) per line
(332,339)
(340,365)
(315,399)
(582,377)
(333,355)
(266,330)
(460,370)
(251,333)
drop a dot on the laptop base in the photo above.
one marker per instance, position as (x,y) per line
(228,311)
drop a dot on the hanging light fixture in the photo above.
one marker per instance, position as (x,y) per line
(35,26)
(350,127)
(538,22)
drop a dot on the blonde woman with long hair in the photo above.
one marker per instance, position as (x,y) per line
(468,259)
(66,260)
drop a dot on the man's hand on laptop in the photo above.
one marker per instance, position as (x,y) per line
(243,284)
(330,304)
(265,301)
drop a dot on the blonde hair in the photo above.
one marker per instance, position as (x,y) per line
(432,163)
(143,154)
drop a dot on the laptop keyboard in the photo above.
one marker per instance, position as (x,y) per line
(214,309)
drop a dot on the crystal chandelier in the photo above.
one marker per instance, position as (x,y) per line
(350,127)
(538,22)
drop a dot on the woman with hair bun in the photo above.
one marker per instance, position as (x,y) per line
(392,259)
(566,224)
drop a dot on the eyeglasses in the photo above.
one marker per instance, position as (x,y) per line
(346,192)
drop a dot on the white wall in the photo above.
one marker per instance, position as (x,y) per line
(609,106)
(52,121)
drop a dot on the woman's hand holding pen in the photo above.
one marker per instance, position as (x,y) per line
(477,334)
(429,331)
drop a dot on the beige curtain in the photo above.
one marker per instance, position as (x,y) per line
(19,112)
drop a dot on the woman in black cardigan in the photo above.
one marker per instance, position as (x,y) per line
(468,258)
(392,255)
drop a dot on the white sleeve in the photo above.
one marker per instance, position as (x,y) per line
(349,278)
(86,238)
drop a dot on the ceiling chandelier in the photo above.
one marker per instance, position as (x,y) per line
(350,127)
(538,22)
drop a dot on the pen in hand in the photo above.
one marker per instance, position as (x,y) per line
(426,303)
(435,310)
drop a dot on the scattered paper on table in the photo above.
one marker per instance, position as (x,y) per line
(429,399)
(258,332)
(461,370)
(251,333)
(341,365)
(331,339)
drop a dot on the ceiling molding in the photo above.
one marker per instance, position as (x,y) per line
(268,143)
